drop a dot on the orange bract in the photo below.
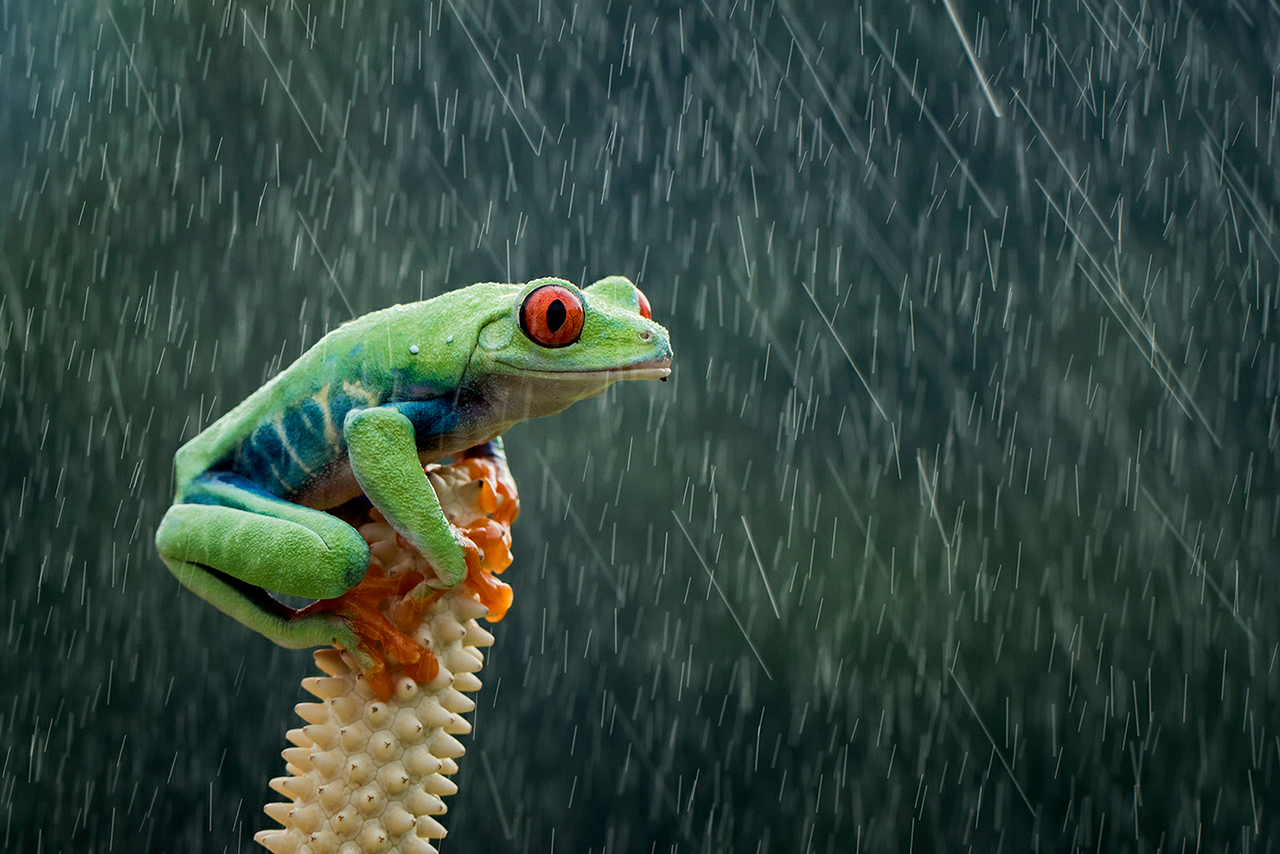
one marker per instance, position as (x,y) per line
(382,613)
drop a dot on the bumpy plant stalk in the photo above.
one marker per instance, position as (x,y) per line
(370,768)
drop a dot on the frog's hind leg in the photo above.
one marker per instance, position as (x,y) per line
(232,541)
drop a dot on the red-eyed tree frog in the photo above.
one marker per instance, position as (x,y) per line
(359,414)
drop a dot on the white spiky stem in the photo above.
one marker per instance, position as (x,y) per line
(368,775)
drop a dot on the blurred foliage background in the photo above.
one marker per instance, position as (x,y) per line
(954,530)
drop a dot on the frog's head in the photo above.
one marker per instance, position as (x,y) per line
(556,344)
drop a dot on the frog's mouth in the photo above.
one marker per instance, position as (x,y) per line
(651,369)
(654,369)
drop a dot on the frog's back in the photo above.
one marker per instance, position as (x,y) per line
(287,436)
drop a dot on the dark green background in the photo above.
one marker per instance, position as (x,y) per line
(1016,501)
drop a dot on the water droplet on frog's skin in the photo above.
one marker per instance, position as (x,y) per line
(449,340)
(413,348)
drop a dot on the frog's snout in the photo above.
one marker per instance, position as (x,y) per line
(665,364)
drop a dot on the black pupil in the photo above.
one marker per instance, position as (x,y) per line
(556,315)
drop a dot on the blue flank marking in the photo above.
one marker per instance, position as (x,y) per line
(430,417)
(212,488)
(260,454)
(262,458)
(307,437)
(312,416)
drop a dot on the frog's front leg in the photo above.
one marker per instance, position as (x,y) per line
(230,542)
(383,452)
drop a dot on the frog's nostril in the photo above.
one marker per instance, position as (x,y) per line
(646,335)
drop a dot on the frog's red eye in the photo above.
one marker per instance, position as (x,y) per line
(645,311)
(552,316)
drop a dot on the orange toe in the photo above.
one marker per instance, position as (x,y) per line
(379,639)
